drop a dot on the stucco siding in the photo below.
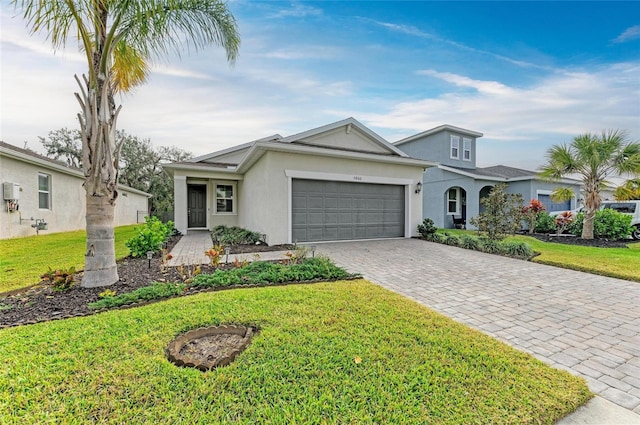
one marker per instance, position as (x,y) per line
(437,147)
(266,184)
(354,139)
(67,201)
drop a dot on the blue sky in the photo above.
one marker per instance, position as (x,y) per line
(526,74)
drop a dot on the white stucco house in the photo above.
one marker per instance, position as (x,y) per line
(36,189)
(453,190)
(341,181)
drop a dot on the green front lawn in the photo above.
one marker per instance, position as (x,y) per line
(623,263)
(24,260)
(342,352)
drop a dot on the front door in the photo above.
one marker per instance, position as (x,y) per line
(197,205)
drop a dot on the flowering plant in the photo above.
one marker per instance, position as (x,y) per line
(531,213)
(563,221)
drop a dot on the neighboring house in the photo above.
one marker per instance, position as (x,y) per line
(453,189)
(337,182)
(37,189)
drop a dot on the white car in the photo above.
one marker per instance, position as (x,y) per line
(631,208)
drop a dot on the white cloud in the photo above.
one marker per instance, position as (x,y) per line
(298,10)
(554,109)
(631,33)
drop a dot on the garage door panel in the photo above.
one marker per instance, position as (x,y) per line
(324,210)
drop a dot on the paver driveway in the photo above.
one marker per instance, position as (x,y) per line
(586,324)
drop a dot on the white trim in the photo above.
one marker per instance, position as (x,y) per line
(289,208)
(356,178)
(464,149)
(458,201)
(438,129)
(407,210)
(234,199)
(457,146)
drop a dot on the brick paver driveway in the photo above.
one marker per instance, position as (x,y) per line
(586,324)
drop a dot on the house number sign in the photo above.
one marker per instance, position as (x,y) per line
(357,178)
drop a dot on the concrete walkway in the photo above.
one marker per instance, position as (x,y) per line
(586,324)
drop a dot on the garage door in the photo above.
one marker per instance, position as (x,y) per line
(554,206)
(329,211)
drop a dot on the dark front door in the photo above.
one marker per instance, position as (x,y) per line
(197,212)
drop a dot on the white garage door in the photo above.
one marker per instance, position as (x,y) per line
(329,211)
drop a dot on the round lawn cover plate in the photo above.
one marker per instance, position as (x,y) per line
(207,348)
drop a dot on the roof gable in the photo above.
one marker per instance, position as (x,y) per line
(348,134)
(445,127)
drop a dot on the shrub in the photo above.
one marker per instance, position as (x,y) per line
(261,272)
(427,228)
(490,246)
(517,249)
(564,221)
(608,224)
(436,237)
(149,236)
(545,223)
(470,242)
(502,213)
(234,235)
(531,212)
(452,240)
(60,279)
(147,293)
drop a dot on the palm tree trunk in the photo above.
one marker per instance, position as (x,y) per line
(100,257)
(587,225)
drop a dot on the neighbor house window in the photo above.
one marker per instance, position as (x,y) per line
(453,205)
(225,198)
(466,149)
(44,191)
(455,147)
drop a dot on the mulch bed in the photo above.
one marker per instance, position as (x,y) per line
(40,302)
(574,240)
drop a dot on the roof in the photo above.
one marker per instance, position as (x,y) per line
(444,127)
(29,156)
(305,142)
(501,173)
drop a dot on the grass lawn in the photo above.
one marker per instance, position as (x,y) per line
(342,352)
(24,260)
(623,263)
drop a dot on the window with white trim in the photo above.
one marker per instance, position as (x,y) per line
(225,198)
(44,191)
(453,201)
(455,147)
(466,149)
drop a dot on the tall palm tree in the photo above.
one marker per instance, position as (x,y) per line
(120,38)
(595,159)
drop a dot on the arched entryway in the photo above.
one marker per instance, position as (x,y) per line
(456,206)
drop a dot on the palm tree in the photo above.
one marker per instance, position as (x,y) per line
(630,190)
(120,38)
(594,159)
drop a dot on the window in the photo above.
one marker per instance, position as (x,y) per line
(453,195)
(455,147)
(466,149)
(225,198)
(44,191)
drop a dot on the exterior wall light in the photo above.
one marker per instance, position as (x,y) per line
(419,187)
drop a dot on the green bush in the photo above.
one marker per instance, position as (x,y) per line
(436,237)
(502,213)
(491,246)
(261,272)
(608,224)
(149,236)
(470,242)
(234,236)
(427,228)
(148,293)
(545,223)
(517,249)
(452,240)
